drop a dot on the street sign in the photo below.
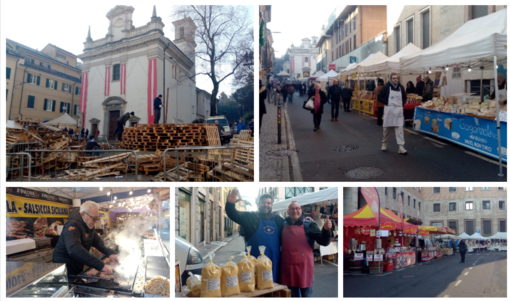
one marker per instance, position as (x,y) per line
(358,256)
(352,59)
(332,67)
(383,233)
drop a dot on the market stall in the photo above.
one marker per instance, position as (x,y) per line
(473,122)
(433,249)
(140,240)
(477,243)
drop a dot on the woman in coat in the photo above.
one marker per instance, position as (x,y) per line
(262,104)
(379,105)
(463,248)
(410,88)
(319,98)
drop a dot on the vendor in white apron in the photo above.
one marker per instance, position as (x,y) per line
(393,96)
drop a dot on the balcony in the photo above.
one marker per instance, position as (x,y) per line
(53,72)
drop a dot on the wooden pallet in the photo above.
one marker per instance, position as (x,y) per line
(245,135)
(213,136)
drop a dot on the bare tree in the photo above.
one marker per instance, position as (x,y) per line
(224,35)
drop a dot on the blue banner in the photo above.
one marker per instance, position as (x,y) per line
(477,134)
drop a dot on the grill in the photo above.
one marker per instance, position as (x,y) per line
(104,284)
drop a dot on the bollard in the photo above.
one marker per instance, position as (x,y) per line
(279,121)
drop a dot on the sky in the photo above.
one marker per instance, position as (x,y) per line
(65,24)
(288,20)
(249,193)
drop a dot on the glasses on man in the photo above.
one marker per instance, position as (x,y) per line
(95,219)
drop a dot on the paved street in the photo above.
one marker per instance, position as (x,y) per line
(428,159)
(482,275)
(326,276)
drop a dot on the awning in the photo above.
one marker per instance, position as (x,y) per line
(308,198)
(437,230)
(389,220)
(499,235)
(393,63)
(477,236)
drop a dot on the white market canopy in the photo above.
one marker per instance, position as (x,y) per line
(308,198)
(63,120)
(349,67)
(374,58)
(449,236)
(330,74)
(392,63)
(465,236)
(477,236)
(480,38)
(283,73)
(318,74)
(499,235)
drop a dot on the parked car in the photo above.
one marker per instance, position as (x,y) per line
(222,120)
(189,258)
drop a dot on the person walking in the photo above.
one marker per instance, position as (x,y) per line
(241,126)
(393,96)
(278,95)
(96,133)
(346,98)
(71,132)
(262,104)
(82,133)
(157,108)
(87,134)
(285,92)
(410,88)
(291,91)
(428,90)
(335,94)
(462,250)
(319,99)
(379,105)
(419,86)
(251,126)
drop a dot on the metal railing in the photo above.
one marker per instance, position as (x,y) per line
(21,166)
(21,147)
(39,155)
(175,152)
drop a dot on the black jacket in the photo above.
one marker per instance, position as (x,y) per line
(157,103)
(346,93)
(91,144)
(124,118)
(419,88)
(500,87)
(324,99)
(262,98)
(428,91)
(250,220)
(74,244)
(384,94)
(335,93)
(463,248)
(312,232)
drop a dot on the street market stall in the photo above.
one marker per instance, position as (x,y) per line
(434,249)
(477,243)
(140,239)
(498,242)
(473,122)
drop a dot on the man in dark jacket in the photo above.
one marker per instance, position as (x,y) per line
(262,104)
(335,94)
(82,133)
(157,108)
(92,145)
(393,96)
(121,122)
(298,236)
(419,86)
(346,98)
(428,90)
(221,130)
(76,239)
(463,248)
(71,133)
(261,228)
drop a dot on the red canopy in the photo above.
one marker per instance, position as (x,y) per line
(389,220)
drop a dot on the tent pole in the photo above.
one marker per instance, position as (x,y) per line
(481,86)
(496,88)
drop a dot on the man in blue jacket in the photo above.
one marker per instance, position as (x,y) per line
(241,126)
(157,108)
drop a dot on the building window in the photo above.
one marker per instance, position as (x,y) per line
(7,73)
(470,227)
(414,203)
(33,79)
(397,38)
(425,17)
(452,189)
(486,205)
(452,225)
(437,207)
(6,93)
(116,72)
(469,206)
(66,87)
(31,102)
(76,109)
(306,59)
(45,65)
(486,188)
(61,56)
(501,205)
(410,31)
(501,188)
(502,226)
(452,206)
(49,105)
(436,190)
(386,191)
(478,11)
(487,227)
(408,200)
(419,206)
(52,84)
(354,42)
(469,188)
(394,193)
(77,91)
(181,32)
(65,107)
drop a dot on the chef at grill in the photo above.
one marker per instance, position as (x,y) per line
(76,239)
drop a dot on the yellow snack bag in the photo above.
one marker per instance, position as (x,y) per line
(264,271)
(246,274)
(194,284)
(229,280)
(252,258)
(211,277)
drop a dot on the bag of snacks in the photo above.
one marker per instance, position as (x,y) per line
(246,274)
(264,271)
(229,280)
(211,277)
(252,258)
(194,283)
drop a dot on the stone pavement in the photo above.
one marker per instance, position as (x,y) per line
(213,246)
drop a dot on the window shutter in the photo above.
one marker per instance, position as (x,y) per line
(61,107)
(47,83)
(8,73)
(76,91)
(38,80)
(29,78)
(54,105)
(45,103)
(56,85)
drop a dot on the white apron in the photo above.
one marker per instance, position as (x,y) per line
(394,112)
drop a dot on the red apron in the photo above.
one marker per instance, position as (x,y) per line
(296,263)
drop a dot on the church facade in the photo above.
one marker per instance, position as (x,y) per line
(128,68)
(302,58)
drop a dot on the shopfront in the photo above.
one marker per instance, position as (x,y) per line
(184,199)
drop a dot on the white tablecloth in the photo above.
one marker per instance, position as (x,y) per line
(331,249)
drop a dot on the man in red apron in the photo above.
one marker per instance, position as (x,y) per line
(393,96)
(297,262)
(260,228)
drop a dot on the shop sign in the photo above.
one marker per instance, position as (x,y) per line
(388,226)
(372,232)
(370,257)
(410,230)
(332,67)
(37,195)
(25,207)
(383,233)
(378,257)
(365,230)
(423,232)
(358,256)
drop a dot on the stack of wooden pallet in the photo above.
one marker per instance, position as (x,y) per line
(244,156)
(152,137)
(232,172)
(106,166)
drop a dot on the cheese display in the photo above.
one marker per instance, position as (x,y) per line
(246,269)
(463,105)
(211,277)
(194,284)
(229,279)
(264,270)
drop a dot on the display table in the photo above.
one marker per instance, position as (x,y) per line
(331,249)
(367,106)
(402,259)
(477,134)
(409,111)
(428,255)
